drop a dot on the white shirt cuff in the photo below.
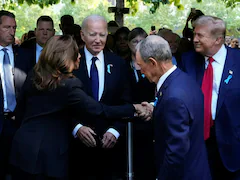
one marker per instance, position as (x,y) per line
(114,132)
(75,130)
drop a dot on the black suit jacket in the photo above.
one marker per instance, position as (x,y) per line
(40,146)
(116,90)
(22,65)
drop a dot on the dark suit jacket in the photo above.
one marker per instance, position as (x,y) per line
(40,146)
(30,44)
(116,90)
(178,121)
(22,66)
(227,124)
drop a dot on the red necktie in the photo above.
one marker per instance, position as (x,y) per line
(207,86)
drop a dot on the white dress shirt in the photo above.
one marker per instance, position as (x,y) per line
(11,56)
(164,77)
(38,51)
(101,75)
(218,65)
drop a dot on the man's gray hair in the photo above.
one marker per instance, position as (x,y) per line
(217,25)
(93,17)
(156,47)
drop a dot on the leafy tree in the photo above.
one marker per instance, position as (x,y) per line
(168,15)
(155,3)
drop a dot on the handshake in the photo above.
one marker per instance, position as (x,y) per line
(144,110)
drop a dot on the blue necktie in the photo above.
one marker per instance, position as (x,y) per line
(94,78)
(10,91)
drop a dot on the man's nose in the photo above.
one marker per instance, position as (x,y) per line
(12,31)
(97,38)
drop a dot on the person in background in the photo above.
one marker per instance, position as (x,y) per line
(44,31)
(14,66)
(66,24)
(188,32)
(141,90)
(121,43)
(234,43)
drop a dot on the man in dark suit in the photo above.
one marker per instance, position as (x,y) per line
(43,32)
(222,132)
(178,118)
(104,76)
(13,69)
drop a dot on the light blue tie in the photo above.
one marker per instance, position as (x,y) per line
(10,92)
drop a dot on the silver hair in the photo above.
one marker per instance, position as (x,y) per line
(156,47)
(217,25)
(93,17)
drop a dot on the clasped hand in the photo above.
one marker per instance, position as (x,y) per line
(144,110)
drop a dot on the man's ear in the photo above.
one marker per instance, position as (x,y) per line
(219,40)
(82,35)
(152,61)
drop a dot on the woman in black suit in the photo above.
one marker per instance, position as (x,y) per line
(50,99)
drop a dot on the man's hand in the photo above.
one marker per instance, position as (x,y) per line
(143,112)
(85,134)
(109,140)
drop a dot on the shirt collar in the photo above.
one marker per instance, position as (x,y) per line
(89,56)
(9,48)
(220,56)
(38,47)
(164,77)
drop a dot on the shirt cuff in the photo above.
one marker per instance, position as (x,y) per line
(114,132)
(75,130)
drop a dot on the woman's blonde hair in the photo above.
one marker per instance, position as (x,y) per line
(55,62)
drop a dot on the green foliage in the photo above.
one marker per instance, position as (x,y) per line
(167,15)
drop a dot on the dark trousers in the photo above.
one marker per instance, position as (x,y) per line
(218,171)
(18,174)
(97,163)
(143,151)
(6,137)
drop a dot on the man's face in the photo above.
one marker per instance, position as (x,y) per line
(95,36)
(146,68)
(122,42)
(7,31)
(204,42)
(173,41)
(44,32)
(133,43)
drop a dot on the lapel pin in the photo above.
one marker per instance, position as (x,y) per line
(229,77)
(109,68)
(160,94)
(156,101)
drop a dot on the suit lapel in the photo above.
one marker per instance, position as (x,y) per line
(200,68)
(82,73)
(14,59)
(228,66)
(108,76)
(162,90)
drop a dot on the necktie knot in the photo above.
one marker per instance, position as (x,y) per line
(4,50)
(94,59)
(210,59)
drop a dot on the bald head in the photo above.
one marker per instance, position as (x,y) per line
(156,47)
